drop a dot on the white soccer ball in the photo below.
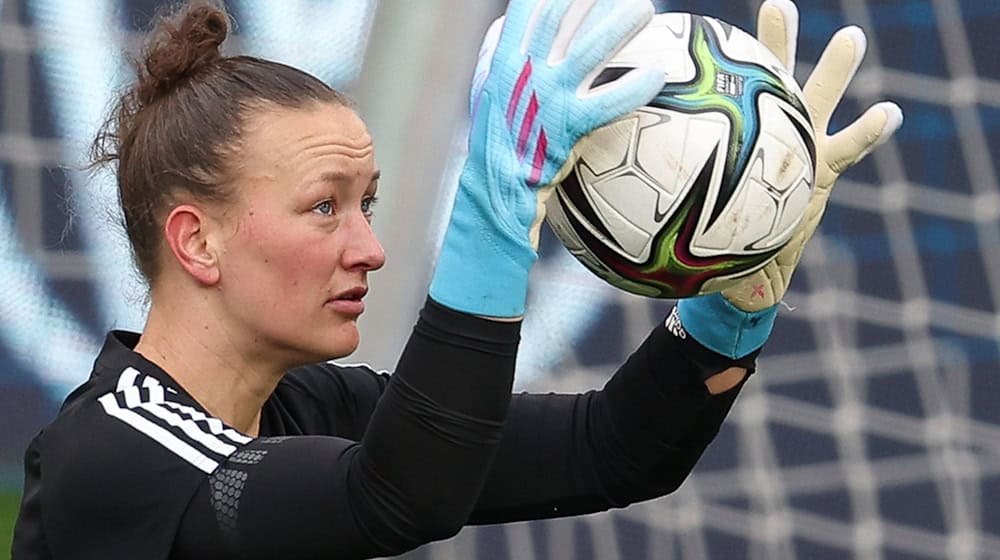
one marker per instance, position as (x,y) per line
(704,184)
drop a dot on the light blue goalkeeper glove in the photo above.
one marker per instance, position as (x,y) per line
(530,104)
(738,320)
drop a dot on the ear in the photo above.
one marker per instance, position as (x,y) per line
(187,229)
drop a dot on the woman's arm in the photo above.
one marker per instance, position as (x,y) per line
(636,439)
(413,478)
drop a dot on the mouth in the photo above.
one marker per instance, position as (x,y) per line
(352,294)
(348,302)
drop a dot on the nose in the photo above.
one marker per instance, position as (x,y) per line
(363,250)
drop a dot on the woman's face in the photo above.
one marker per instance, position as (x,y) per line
(294,271)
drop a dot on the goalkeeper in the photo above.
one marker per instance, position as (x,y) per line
(248,187)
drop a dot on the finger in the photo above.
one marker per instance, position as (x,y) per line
(574,19)
(624,95)
(491,38)
(853,143)
(833,73)
(778,30)
(544,30)
(518,21)
(485,62)
(601,42)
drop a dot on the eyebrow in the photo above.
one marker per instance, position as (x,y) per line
(340,177)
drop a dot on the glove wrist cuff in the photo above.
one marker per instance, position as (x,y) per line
(466,283)
(721,327)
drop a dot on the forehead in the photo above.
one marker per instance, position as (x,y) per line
(281,140)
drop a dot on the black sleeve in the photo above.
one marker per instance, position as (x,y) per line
(414,477)
(324,399)
(29,538)
(636,439)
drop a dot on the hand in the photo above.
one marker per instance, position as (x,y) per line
(777,25)
(740,319)
(530,104)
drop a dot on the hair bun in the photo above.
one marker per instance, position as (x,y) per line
(181,44)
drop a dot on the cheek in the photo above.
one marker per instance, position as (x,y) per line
(285,254)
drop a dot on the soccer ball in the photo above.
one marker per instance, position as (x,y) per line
(704,184)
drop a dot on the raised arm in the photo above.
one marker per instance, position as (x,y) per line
(642,434)
(636,439)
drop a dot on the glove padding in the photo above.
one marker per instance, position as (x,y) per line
(752,301)
(531,102)
(777,25)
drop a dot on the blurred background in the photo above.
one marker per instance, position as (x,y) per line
(872,428)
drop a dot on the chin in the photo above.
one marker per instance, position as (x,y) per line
(323,343)
(312,344)
(342,342)
(319,354)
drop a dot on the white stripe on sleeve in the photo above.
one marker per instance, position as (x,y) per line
(189,427)
(214,424)
(127,378)
(140,401)
(158,434)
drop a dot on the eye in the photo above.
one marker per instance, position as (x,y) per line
(325,208)
(366,205)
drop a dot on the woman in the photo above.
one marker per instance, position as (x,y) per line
(247,189)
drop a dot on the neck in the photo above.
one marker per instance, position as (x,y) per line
(216,366)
